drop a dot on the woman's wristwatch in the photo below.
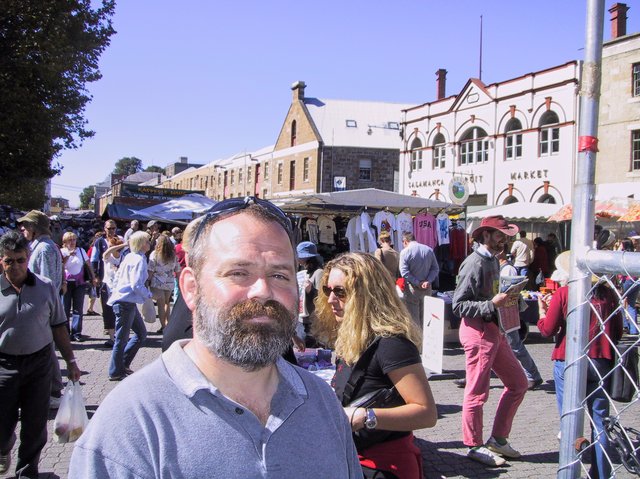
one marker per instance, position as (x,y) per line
(370,419)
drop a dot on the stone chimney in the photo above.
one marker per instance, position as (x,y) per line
(618,20)
(441,83)
(184,159)
(298,90)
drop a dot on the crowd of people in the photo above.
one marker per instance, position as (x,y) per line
(244,294)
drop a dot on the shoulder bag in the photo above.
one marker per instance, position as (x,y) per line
(381,398)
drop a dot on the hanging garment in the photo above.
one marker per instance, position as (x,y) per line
(404,224)
(424,229)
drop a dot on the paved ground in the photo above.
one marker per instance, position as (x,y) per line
(534,432)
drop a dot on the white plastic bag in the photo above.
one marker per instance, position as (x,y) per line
(72,419)
(148,311)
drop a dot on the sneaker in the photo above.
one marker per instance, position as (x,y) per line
(5,462)
(534,384)
(461,383)
(108,344)
(503,449)
(91,312)
(117,378)
(485,456)
(54,402)
(77,338)
(128,371)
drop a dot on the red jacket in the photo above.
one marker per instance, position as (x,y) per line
(555,323)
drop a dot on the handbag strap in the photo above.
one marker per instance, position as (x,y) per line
(357,372)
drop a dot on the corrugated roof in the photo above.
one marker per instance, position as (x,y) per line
(377,124)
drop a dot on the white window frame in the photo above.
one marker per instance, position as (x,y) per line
(474,150)
(635,80)
(265,173)
(635,151)
(305,169)
(365,167)
(280,172)
(549,141)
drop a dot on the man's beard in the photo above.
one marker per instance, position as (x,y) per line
(228,333)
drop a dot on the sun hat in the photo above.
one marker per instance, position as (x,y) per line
(38,218)
(563,269)
(151,223)
(495,223)
(307,250)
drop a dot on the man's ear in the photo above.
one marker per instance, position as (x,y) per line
(189,287)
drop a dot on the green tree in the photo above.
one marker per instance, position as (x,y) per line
(127,166)
(88,194)
(154,169)
(49,52)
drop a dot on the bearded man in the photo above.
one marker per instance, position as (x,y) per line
(476,300)
(225,404)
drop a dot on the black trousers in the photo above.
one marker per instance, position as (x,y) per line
(25,384)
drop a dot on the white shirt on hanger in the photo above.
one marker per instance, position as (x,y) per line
(404,224)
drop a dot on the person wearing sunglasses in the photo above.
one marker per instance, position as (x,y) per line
(361,316)
(225,404)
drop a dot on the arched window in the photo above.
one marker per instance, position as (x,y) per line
(474,146)
(416,155)
(547,198)
(513,140)
(549,135)
(294,132)
(439,151)
(509,200)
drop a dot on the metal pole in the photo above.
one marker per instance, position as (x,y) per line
(578,311)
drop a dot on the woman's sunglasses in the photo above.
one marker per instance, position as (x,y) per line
(338,291)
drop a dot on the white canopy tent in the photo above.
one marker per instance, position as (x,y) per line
(530,217)
(354,200)
(182,209)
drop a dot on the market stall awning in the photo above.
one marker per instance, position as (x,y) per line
(610,208)
(529,212)
(178,209)
(632,215)
(354,200)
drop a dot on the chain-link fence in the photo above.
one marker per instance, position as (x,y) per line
(609,395)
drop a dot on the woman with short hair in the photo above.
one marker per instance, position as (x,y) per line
(75,261)
(129,290)
(360,314)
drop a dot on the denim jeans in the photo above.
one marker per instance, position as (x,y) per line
(631,289)
(598,407)
(74,305)
(523,356)
(125,348)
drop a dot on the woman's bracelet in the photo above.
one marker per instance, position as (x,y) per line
(353,414)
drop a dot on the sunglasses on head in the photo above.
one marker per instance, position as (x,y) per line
(236,204)
(338,291)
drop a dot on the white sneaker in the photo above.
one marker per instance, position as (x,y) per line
(485,456)
(504,450)
(54,402)
(5,462)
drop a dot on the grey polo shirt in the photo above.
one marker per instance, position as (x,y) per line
(169,421)
(26,318)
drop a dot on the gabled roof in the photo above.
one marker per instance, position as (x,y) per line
(140,177)
(474,92)
(376,123)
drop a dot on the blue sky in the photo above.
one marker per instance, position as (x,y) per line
(207,79)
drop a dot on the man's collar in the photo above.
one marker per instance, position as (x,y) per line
(482,250)
(189,379)
(30,280)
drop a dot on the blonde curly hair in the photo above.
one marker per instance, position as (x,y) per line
(372,308)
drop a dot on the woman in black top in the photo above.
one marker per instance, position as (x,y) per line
(359,313)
